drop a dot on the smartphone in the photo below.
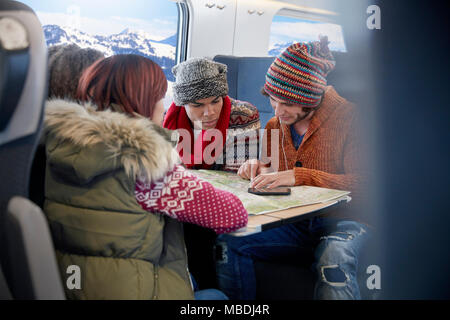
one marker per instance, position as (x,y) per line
(279,191)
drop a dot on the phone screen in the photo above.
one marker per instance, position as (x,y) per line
(279,191)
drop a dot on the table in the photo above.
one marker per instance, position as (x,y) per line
(261,222)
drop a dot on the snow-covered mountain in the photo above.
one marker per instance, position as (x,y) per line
(127,41)
(171,40)
(277,48)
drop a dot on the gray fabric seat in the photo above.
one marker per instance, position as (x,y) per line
(26,252)
(34,273)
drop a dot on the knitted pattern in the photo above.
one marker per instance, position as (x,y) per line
(199,78)
(242,135)
(244,116)
(183,196)
(298,74)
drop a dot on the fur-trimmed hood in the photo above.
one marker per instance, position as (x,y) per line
(99,142)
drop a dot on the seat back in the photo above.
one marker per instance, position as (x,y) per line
(34,272)
(246,77)
(23,65)
(23,81)
(344,77)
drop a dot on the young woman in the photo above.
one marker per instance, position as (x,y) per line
(217,132)
(115,192)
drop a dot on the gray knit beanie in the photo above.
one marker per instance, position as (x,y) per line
(199,78)
(66,63)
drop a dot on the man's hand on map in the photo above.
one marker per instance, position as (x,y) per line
(251,168)
(273,180)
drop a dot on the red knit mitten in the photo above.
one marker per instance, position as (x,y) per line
(183,196)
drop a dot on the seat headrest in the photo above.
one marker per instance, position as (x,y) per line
(23,71)
(14,62)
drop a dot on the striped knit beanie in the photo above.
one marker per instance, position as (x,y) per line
(298,74)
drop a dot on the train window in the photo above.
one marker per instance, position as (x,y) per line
(285,31)
(148,28)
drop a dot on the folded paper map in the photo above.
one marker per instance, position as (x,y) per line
(255,204)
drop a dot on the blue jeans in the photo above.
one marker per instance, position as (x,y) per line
(336,245)
(207,294)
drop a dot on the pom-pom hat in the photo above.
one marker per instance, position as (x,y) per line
(298,74)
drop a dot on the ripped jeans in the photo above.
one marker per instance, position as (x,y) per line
(336,245)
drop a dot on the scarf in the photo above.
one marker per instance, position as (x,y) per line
(177,118)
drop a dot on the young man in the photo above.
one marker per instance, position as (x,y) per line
(217,132)
(317,146)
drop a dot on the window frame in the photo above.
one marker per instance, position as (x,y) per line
(182,32)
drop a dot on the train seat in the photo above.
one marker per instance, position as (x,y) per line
(26,253)
(246,76)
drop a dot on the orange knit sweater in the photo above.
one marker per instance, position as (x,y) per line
(330,153)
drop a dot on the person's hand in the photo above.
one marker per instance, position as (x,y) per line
(274,179)
(250,169)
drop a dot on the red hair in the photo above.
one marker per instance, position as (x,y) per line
(133,82)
